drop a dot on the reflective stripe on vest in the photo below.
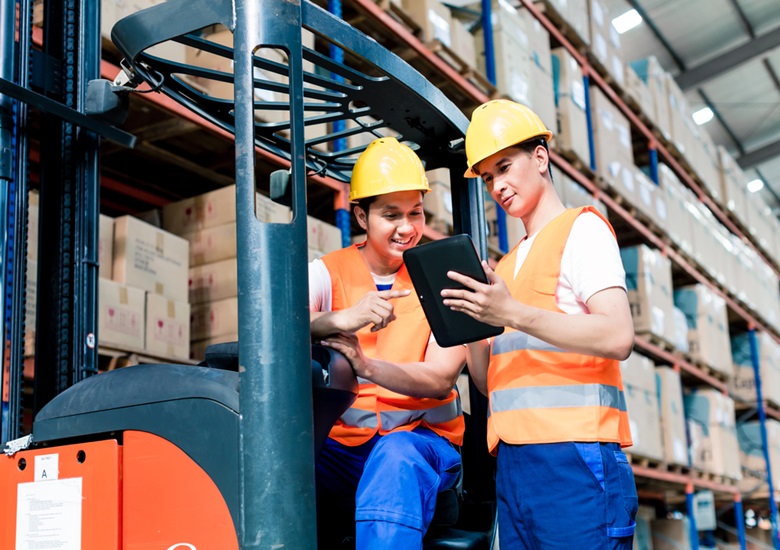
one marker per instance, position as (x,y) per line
(551,397)
(360,419)
(437,415)
(515,341)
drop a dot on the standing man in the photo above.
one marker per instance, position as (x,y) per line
(393,451)
(557,411)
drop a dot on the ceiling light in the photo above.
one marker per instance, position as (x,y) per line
(703,116)
(627,21)
(755,185)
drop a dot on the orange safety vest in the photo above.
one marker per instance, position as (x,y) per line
(376,409)
(540,393)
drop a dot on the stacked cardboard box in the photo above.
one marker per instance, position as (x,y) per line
(433,17)
(649,284)
(575,15)
(438,202)
(642,404)
(649,70)
(153,262)
(743,385)
(611,140)
(523,60)
(679,226)
(675,442)
(208,223)
(708,331)
(569,89)
(751,457)
(105,261)
(712,432)
(605,41)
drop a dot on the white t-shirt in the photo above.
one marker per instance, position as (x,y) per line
(321,289)
(590,263)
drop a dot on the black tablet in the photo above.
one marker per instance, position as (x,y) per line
(428,265)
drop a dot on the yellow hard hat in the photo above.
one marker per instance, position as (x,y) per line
(387,166)
(499,124)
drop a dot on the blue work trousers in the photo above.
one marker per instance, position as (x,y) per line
(564,496)
(385,490)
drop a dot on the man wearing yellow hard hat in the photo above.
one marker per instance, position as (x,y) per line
(557,410)
(392,452)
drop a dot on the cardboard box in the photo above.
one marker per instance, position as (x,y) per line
(733,185)
(671,534)
(569,89)
(121,315)
(167,326)
(649,284)
(707,320)
(214,281)
(639,383)
(611,138)
(433,17)
(523,62)
(711,412)
(213,244)
(214,319)
(650,71)
(751,457)
(217,208)
(322,235)
(196,213)
(149,258)
(675,442)
(743,384)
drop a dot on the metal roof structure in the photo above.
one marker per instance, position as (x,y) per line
(725,55)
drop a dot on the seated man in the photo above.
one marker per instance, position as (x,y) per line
(392,452)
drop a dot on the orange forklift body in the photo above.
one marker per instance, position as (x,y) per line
(145,494)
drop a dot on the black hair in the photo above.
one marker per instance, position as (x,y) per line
(365,203)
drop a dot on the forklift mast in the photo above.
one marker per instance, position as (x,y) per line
(376,94)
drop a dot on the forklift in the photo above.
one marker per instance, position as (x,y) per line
(220,456)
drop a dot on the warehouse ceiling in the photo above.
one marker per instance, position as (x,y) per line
(725,55)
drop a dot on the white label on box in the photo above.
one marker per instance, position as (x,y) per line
(628,180)
(578,93)
(600,47)
(518,87)
(680,452)
(48,515)
(614,168)
(614,37)
(441,28)
(606,120)
(634,431)
(660,208)
(624,136)
(645,195)
(597,12)
(47,467)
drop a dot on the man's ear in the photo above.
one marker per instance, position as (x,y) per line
(362,218)
(542,156)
